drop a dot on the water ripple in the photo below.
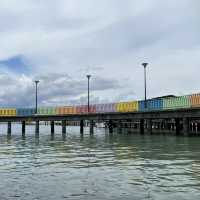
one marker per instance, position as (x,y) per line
(101,166)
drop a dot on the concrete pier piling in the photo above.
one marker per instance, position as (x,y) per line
(37,128)
(119,127)
(141,126)
(178,126)
(52,128)
(186,129)
(110,126)
(63,127)
(91,126)
(9,130)
(81,126)
(149,126)
(23,128)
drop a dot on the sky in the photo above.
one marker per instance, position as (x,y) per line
(60,42)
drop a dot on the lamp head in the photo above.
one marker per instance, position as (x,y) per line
(144,65)
(37,81)
(88,76)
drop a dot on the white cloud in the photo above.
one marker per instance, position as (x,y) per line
(109,39)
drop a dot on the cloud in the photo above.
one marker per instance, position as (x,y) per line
(59,42)
(53,89)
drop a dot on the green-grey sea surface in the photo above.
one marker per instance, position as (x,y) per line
(100,166)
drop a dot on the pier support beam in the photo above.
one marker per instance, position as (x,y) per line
(186,128)
(23,128)
(81,126)
(141,126)
(63,127)
(110,126)
(178,127)
(119,127)
(149,126)
(52,128)
(9,128)
(198,127)
(91,126)
(37,128)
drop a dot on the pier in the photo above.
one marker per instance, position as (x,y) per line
(180,121)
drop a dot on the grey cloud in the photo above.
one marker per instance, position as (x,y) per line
(100,83)
(73,88)
(109,39)
(52,90)
(159,25)
(5,80)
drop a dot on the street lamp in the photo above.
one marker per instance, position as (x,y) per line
(36,95)
(88,77)
(145,84)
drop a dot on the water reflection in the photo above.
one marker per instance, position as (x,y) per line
(98,166)
(52,137)
(64,136)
